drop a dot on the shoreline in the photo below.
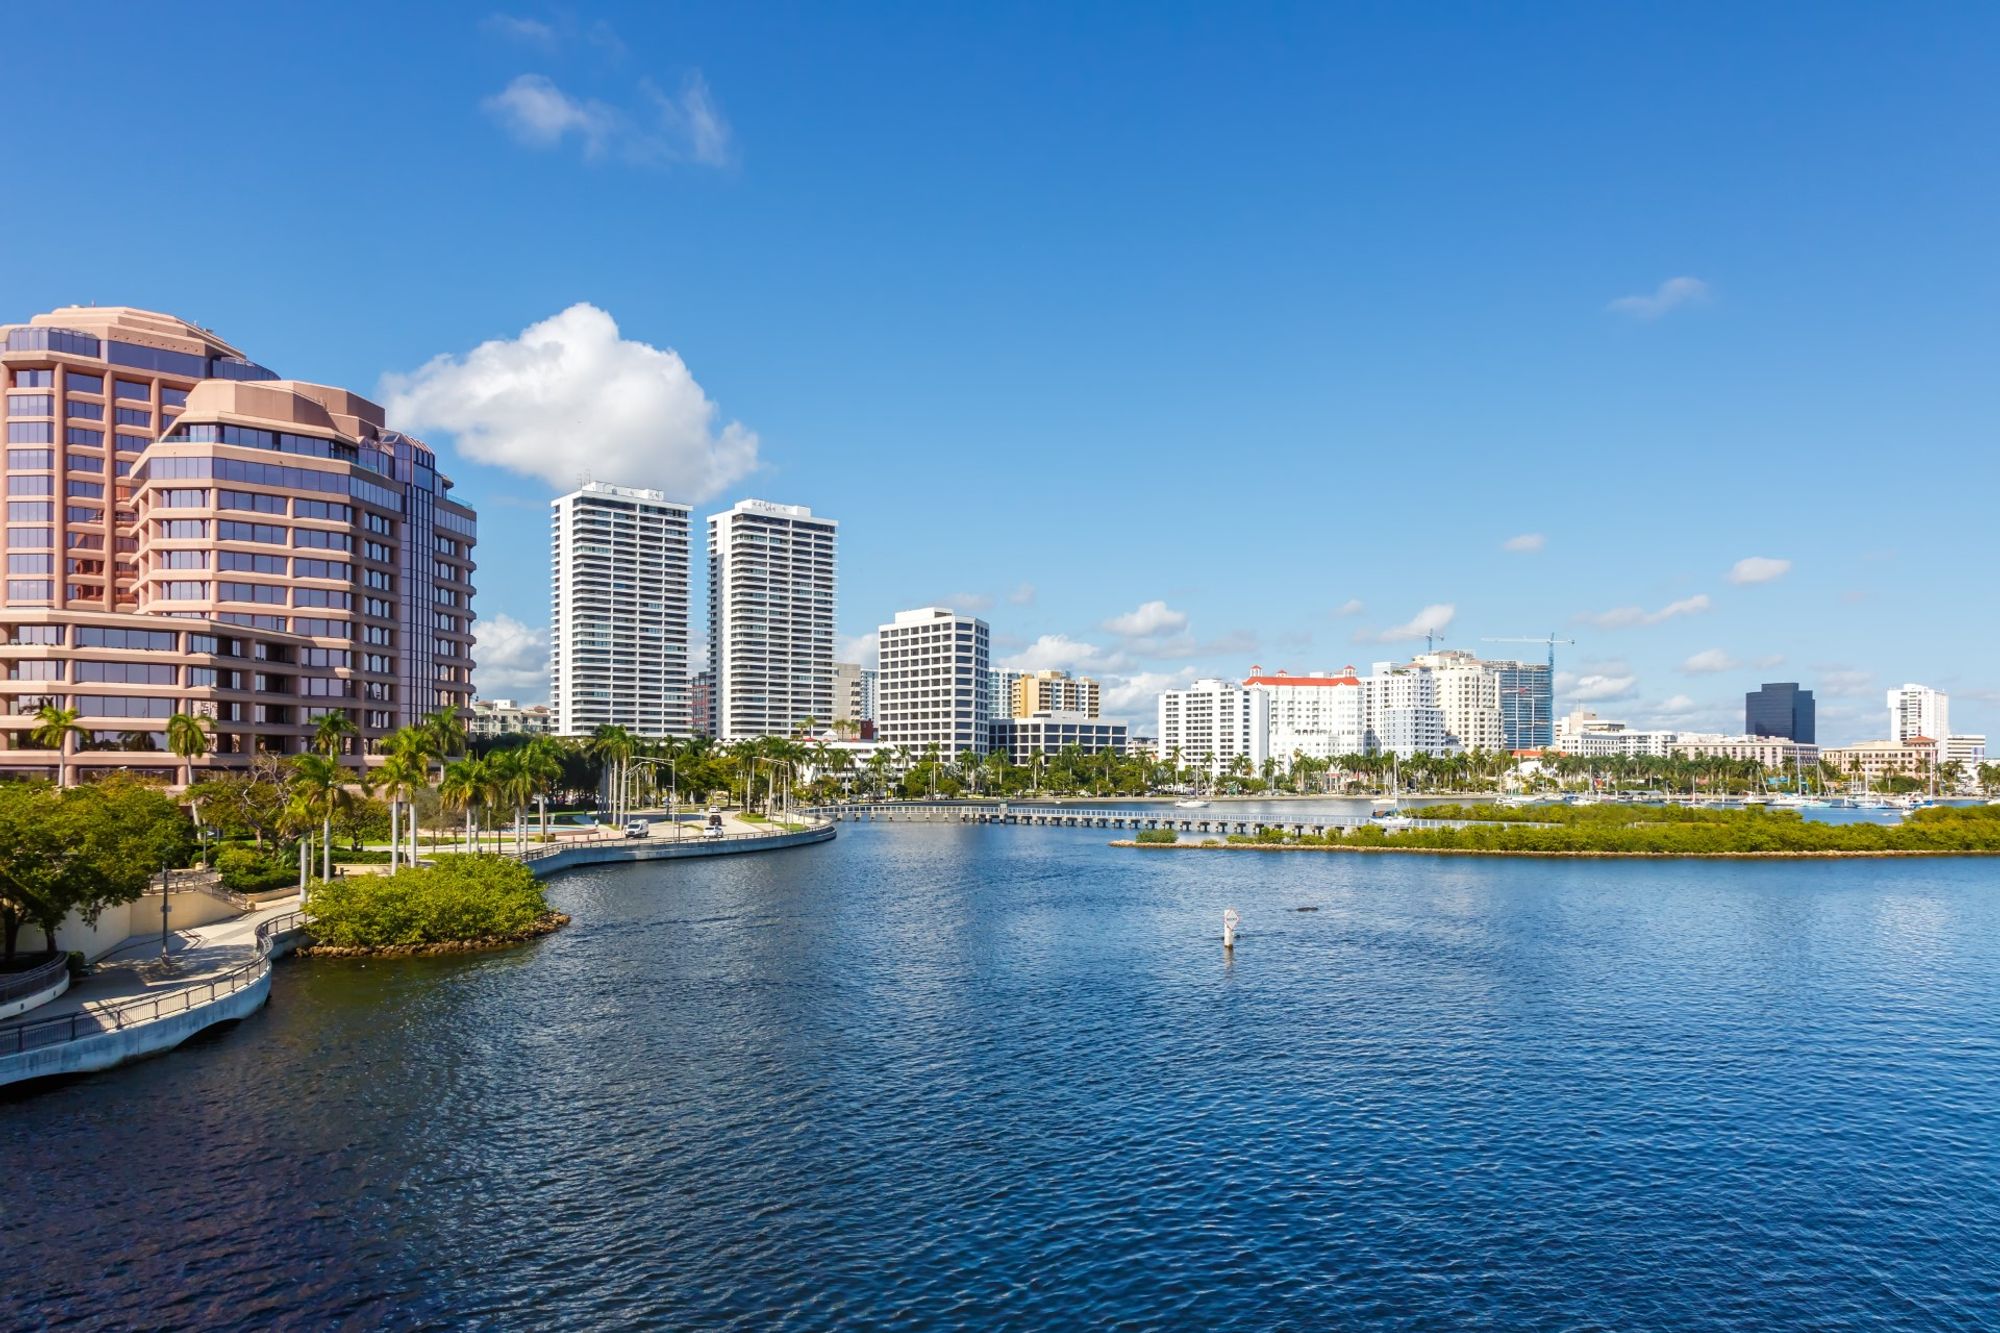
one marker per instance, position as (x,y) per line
(1490,851)
(548,924)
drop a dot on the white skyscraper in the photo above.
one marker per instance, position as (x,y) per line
(770,618)
(618,632)
(1918,710)
(932,686)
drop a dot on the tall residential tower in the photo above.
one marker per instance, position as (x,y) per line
(771,580)
(618,631)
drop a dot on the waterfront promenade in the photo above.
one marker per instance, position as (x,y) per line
(132,1006)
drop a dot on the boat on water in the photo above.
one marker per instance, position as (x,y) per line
(1191,803)
(1389,814)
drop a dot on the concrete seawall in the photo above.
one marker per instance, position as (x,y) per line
(104,1049)
(660,849)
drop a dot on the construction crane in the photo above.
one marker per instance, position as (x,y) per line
(1551,641)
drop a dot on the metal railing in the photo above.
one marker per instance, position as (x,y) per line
(37,978)
(47,1032)
(804,823)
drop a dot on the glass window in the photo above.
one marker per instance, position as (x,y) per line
(137,444)
(34,379)
(184,591)
(31,564)
(86,490)
(75,383)
(173,397)
(30,538)
(30,590)
(82,411)
(254,501)
(184,560)
(31,458)
(181,499)
(84,462)
(126,673)
(52,634)
(132,416)
(31,432)
(78,514)
(250,562)
(233,530)
(134,389)
(322,597)
(31,405)
(183,364)
(30,483)
(84,435)
(184,529)
(30,511)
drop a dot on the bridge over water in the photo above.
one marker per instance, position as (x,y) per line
(1216,823)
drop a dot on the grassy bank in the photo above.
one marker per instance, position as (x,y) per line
(1624,830)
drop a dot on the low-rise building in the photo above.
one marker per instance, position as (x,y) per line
(1872,761)
(1968,751)
(487,718)
(1022,738)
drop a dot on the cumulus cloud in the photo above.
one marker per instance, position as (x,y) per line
(1623,617)
(1594,687)
(1526,544)
(513,27)
(1135,699)
(1024,595)
(862,648)
(1433,619)
(1148,619)
(1351,607)
(1059,652)
(511,660)
(1758,569)
(666,129)
(968,603)
(1708,662)
(1669,295)
(1676,705)
(570,400)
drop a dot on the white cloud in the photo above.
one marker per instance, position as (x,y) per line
(1059,652)
(1768,660)
(1623,617)
(1594,687)
(1708,662)
(1134,699)
(532,32)
(541,115)
(1351,607)
(968,603)
(1149,618)
(570,400)
(1844,682)
(511,660)
(669,130)
(1678,704)
(862,648)
(1758,569)
(1669,295)
(1527,543)
(1433,619)
(1024,595)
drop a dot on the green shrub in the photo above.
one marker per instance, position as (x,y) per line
(457,898)
(1166,835)
(244,871)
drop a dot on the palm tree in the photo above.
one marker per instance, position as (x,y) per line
(464,788)
(513,781)
(444,734)
(321,785)
(187,737)
(542,760)
(401,776)
(331,732)
(57,729)
(614,747)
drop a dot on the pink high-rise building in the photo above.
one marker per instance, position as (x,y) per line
(186,532)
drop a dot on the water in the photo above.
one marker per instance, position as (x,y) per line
(966,1077)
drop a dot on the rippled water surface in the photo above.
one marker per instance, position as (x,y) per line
(996,1077)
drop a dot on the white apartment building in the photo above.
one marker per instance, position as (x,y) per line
(1968,752)
(1468,694)
(771,583)
(1403,714)
(932,690)
(486,718)
(1000,683)
(1918,710)
(618,629)
(1212,723)
(1316,716)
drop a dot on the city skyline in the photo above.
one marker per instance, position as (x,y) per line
(1646,324)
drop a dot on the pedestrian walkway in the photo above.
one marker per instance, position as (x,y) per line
(133,971)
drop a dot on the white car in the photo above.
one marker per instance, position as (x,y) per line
(638,828)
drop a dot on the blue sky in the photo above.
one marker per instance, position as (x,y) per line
(1287,319)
